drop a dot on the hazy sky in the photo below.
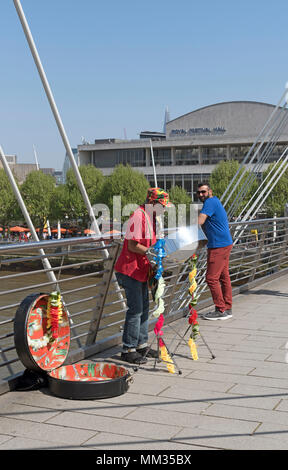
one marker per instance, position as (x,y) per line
(115,66)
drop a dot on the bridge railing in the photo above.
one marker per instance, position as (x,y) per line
(96,305)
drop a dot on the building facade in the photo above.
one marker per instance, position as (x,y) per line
(20,170)
(191,146)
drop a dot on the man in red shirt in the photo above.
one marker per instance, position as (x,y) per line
(132,272)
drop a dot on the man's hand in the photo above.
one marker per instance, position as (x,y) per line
(151,254)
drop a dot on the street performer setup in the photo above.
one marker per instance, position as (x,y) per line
(139,267)
(42,323)
(133,270)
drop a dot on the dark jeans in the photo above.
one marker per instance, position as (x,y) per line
(136,322)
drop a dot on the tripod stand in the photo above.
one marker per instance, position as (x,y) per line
(183,339)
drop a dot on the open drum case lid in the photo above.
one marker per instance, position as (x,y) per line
(42,344)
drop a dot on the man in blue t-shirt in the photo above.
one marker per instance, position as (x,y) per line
(214,221)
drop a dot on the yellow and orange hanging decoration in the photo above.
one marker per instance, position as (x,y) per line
(158,313)
(165,356)
(54,313)
(193,312)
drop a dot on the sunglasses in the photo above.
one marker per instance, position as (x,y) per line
(202,192)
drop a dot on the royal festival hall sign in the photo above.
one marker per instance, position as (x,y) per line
(197,131)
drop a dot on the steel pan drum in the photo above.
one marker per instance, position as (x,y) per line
(183,243)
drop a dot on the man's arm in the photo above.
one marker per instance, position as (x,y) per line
(136,247)
(202,219)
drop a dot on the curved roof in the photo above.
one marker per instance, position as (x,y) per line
(220,104)
(231,119)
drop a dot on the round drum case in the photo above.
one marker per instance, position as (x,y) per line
(42,340)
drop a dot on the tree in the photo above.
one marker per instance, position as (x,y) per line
(37,191)
(129,184)
(179,195)
(59,203)
(222,175)
(278,198)
(8,203)
(182,201)
(93,180)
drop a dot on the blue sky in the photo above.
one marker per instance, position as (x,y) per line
(115,66)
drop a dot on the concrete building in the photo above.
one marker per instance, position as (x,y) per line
(20,170)
(11,160)
(191,146)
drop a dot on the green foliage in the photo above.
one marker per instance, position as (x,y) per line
(275,202)
(36,191)
(59,206)
(8,204)
(179,195)
(181,200)
(71,199)
(93,181)
(44,200)
(222,175)
(126,182)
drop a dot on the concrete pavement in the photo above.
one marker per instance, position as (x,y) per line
(239,400)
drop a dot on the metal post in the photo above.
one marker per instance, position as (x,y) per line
(172,288)
(262,197)
(56,114)
(264,194)
(46,263)
(243,211)
(153,163)
(233,183)
(285,241)
(259,250)
(59,123)
(98,310)
(261,159)
(25,213)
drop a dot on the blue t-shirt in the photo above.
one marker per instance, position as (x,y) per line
(216,226)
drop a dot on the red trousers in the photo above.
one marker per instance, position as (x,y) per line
(218,278)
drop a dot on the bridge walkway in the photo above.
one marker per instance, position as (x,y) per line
(238,400)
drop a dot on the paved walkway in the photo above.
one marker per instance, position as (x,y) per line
(239,400)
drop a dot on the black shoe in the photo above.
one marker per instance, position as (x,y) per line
(148,352)
(133,357)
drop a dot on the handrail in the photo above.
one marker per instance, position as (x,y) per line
(10,247)
(91,295)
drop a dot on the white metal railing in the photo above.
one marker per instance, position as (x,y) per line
(91,295)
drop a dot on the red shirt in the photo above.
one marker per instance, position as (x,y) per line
(140,229)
